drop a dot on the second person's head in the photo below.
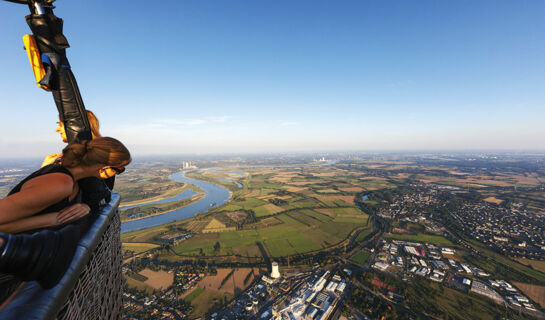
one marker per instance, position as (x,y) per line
(93,123)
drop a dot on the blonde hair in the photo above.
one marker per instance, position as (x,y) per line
(104,150)
(94,124)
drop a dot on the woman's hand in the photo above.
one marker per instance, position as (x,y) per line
(72,213)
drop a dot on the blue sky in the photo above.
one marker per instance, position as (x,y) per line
(268,76)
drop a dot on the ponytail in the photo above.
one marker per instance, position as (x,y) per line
(104,150)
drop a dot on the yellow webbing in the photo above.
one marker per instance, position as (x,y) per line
(35,59)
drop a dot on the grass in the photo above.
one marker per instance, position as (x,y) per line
(447,303)
(501,265)
(360,220)
(288,220)
(538,265)
(364,234)
(261,211)
(280,240)
(194,294)
(317,216)
(138,247)
(339,230)
(361,257)
(421,237)
(205,301)
(168,194)
(301,231)
(143,235)
(133,283)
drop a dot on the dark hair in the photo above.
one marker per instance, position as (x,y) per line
(104,150)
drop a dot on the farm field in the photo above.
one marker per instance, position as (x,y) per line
(137,247)
(536,264)
(133,283)
(159,280)
(300,231)
(278,212)
(202,300)
(445,302)
(535,292)
(234,283)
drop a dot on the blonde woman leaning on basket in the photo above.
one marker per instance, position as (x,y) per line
(49,197)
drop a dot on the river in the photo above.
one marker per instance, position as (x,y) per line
(215,195)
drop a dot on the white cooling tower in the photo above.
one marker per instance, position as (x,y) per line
(275,274)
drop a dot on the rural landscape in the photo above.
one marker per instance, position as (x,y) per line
(272,160)
(390,221)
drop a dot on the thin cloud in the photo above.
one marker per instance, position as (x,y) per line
(179,122)
(220,119)
(288,123)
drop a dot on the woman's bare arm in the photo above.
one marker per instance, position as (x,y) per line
(66,215)
(30,223)
(35,195)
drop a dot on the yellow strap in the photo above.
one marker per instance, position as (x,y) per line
(35,59)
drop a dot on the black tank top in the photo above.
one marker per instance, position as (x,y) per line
(52,168)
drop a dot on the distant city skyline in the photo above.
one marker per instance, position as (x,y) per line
(307,76)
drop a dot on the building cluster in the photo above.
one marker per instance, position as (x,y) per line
(407,259)
(188,165)
(136,305)
(315,299)
(166,303)
(313,295)
(246,305)
(408,204)
(511,231)
(187,280)
(174,238)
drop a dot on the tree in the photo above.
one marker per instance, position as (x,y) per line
(217,246)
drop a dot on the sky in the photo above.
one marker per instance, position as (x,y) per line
(186,77)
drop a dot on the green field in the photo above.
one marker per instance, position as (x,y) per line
(279,240)
(364,234)
(447,303)
(309,221)
(194,294)
(361,257)
(301,231)
(138,247)
(143,235)
(206,301)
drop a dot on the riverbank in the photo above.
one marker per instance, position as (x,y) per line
(193,199)
(214,196)
(168,194)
